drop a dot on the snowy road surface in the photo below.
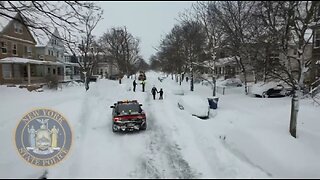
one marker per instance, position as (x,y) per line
(175,144)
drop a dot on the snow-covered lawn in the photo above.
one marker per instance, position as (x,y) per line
(245,137)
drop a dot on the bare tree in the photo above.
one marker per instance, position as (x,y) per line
(182,48)
(203,12)
(122,47)
(45,16)
(84,45)
(240,27)
(287,25)
(155,63)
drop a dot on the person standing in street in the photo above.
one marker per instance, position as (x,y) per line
(134,85)
(143,85)
(154,91)
(161,94)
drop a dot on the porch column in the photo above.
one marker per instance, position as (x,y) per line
(29,73)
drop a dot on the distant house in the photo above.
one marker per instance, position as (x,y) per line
(226,67)
(105,67)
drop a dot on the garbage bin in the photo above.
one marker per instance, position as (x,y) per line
(213,102)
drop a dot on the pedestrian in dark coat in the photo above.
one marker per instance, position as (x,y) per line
(161,94)
(143,83)
(154,91)
(134,85)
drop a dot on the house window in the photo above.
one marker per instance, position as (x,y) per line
(14,49)
(49,70)
(18,28)
(57,54)
(6,71)
(54,42)
(4,47)
(50,53)
(317,39)
(29,51)
(54,71)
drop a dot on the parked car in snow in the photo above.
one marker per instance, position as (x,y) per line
(128,115)
(235,82)
(195,105)
(269,90)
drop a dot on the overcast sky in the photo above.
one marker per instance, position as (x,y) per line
(149,21)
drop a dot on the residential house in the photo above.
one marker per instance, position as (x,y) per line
(52,49)
(105,67)
(17,54)
(71,68)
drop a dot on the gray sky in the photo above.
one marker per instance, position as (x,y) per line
(149,21)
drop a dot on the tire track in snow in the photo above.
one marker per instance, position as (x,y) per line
(163,158)
(80,131)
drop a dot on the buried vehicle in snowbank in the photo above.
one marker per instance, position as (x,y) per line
(269,90)
(128,115)
(195,105)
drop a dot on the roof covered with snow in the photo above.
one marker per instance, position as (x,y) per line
(226,61)
(220,62)
(4,21)
(43,38)
(18,60)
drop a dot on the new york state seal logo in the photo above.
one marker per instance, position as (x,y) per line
(43,137)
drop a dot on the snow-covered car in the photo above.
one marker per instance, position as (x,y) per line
(268,90)
(128,115)
(195,105)
(235,82)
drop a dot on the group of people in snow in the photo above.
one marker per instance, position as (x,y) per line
(154,90)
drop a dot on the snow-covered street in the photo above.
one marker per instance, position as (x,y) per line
(247,138)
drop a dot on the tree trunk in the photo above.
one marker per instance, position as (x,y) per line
(294,114)
(245,83)
(214,86)
(191,82)
(255,77)
(86,82)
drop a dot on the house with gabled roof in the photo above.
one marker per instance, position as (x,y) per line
(21,61)
(18,53)
(52,48)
